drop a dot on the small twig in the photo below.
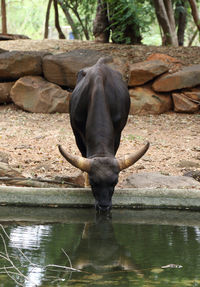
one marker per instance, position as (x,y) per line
(7,267)
(70,263)
(10,261)
(10,272)
(13,278)
(5,247)
(22,253)
(6,257)
(36,265)
(58,280)
(63,267)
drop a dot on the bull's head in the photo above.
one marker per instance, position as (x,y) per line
(103,173)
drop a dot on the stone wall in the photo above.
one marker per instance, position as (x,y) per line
(42,82)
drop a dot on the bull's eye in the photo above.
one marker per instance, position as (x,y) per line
(80,75)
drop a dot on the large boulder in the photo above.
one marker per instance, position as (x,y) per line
(184,104)
(35,94)
(145,101)
(193,94)
(3,51)
(62,69)
(187,164)
(158,180)
(194,174)
(187,77)
(173,64)
(143,72)
(16,64)
(120,65)
(5,92)
(6,37)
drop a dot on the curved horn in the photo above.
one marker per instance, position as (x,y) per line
(80,162)
(128,160)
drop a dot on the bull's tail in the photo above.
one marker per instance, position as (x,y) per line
(104,60)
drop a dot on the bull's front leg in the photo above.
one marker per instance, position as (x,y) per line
(87,182)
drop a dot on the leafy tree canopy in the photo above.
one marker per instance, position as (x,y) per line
(129,19)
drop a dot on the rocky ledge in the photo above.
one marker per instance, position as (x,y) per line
(38,81)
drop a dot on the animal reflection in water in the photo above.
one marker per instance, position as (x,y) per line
(100,252)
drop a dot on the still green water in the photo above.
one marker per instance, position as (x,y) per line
(129,249)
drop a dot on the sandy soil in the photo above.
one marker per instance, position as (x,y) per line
(30,140)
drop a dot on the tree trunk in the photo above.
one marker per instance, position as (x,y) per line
(3,17)
(195,13)
(101,23)
(57,24)
(85,31)
(165,16)
(46,30)
(11,176)
(193,38)
(70,21)
(170,14)
(74,7)
(182,21)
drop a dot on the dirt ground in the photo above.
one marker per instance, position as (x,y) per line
(129,53)
(30,140)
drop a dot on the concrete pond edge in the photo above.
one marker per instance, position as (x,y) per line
(82,197)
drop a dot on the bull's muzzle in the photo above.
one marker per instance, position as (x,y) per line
(103,208)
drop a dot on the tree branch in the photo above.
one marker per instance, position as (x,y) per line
(170,13)
(70,21)
(46,30)
(163,19)
(81,23)
(12,176)
(193,37)
(18,273)
(4,18)
(195,13)
(57,24)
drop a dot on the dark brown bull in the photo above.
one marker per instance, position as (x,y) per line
(99,108)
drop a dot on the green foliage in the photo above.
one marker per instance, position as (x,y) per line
(129,15)
(83,13)
(27,17)
(152,36)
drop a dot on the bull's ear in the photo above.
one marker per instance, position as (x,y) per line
(128,160)
(80,162)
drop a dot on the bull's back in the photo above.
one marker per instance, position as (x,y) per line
(118,97)
(100,93)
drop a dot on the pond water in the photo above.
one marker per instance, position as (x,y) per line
(133,248)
